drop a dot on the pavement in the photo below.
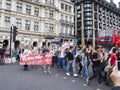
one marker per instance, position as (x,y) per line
(13,77)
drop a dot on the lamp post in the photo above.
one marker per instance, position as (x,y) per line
(10,41)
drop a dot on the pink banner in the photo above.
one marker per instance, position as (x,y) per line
(36,59)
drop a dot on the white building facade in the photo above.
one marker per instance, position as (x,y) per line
(37,20)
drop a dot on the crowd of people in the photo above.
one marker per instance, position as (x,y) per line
(78,60)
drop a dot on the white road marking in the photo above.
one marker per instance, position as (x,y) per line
(64,78)
(56,75)
(84,85)
(73,80)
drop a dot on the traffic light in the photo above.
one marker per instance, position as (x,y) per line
(14,33)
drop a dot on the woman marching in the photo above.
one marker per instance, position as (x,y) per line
(27,51)
(84,63)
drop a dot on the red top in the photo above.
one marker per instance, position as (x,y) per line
(113,59)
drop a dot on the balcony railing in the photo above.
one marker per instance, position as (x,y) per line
(51,34)
(47,5)
(66,35)
(62,21)
(33,2)
(66,22)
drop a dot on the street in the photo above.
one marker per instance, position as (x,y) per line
(13,77)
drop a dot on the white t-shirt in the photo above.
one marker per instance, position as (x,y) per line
(35,50)
(26,51)
(62,54)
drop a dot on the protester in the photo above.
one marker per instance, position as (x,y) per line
(78,57)
(61,59)
(26,51)
(96,57)
(113,58)
(70,62)
(85,62)
(118,54)
(46,68)
(89,51)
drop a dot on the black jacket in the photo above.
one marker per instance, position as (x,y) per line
(116,88)
(70,56)
(118,56)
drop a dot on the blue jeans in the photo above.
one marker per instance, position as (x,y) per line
(85,70)
(60,63)
(71,66)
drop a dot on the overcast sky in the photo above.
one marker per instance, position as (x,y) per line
(115,1)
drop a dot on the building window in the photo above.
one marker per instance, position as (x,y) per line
(89,33)
(88,9)
(88,27)
(88,18)
(66,8)
(62,6)
(28,9)
(19,7)
(87,5)
(51,14)
(18,23)
(61,29)
(46,27)
(87,2)
(70,19)
(95,7)
(7,21)
(70,9)
(66,30)
(61,17)
(78,7)
(78,15)
(79,12)
(51,28)
(46,13)
(51,2)
(66,18)
(88,14)
(36,26)
(88,22)
(27,25)
(70,31)
(8,4)
(36,11)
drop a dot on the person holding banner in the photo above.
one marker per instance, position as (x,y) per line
(46,68)
(26,51)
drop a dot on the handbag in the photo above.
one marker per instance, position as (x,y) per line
(108,69)
(7,60)
(13,60)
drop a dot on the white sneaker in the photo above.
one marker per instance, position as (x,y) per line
(81,76)
(68,74)
(87,81)
(75,75)
(49,72)
(45,71)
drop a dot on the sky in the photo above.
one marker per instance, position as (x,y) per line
(115,1)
